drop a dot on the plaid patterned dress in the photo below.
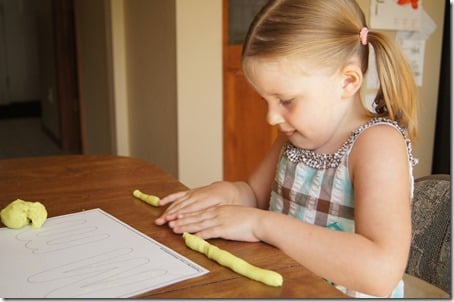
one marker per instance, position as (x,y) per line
(316,188)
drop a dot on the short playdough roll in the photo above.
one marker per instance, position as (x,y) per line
(233,262)
(150,199)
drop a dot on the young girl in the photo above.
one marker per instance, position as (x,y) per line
(334,192)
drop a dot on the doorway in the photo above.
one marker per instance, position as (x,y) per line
(39,107)
(246,134)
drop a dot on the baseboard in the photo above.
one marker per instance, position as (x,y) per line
(21,109)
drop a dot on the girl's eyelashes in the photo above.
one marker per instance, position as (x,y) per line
(285,102)
(282,102)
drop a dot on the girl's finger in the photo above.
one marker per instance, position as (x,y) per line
(193,222)
(164,219)
(176,208)
(172,197)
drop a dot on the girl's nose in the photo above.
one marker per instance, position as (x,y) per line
(273,116)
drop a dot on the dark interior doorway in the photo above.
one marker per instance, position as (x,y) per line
(38,78)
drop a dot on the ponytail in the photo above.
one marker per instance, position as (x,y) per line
(396,95)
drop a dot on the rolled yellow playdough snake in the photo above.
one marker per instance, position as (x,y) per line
(150,199)
(233,262)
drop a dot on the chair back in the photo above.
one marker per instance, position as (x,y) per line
(430,252)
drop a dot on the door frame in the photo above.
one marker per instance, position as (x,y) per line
(67,76)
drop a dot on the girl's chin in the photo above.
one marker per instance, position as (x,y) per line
(299,143)
(295,142)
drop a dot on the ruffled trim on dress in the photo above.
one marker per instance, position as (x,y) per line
(323,161)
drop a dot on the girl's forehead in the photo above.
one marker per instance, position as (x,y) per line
(270,62)
(290,65)
(274,77)
(284,76)
(257,66)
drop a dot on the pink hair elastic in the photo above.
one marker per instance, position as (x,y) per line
(363,35)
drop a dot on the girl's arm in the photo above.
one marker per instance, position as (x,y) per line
(261,180)
(254,192)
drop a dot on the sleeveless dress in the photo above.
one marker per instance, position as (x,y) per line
(316,188)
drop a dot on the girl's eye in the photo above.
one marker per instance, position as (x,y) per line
(285,102)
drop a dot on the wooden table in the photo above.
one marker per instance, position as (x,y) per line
(68,184)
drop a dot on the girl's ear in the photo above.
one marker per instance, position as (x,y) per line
(352,80)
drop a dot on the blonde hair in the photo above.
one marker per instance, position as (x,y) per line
(326,32)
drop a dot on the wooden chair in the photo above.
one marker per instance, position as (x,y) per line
(428,273)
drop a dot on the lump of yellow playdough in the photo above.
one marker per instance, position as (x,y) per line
(19,213)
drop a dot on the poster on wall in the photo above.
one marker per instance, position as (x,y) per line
(396,14)
(413,45)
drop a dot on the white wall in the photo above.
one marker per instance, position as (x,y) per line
(199,65)
(94,82)
(428,93)
(118,88)
(152,81)
(142,83)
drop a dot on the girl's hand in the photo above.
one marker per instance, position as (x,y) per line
(218,193)
(233,222)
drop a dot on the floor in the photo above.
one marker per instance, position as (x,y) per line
(24,137)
